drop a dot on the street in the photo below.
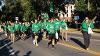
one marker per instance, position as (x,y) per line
(72,47)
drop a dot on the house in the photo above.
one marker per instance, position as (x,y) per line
(69,9)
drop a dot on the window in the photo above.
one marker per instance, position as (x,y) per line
(67,15)
(66,11)
(71,7)
(71,11)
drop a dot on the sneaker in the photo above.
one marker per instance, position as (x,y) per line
(87,48)
(53,46)
(37,45)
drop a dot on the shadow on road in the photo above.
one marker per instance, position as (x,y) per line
(78,42)
(28,53)
(6,49)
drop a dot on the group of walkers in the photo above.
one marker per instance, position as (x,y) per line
(52,29)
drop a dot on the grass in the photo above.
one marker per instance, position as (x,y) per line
(96,30)
(73,30)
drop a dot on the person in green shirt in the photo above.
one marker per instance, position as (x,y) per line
(11,32)
(63,30)
(85,27)
(51,31)
(44,27)
(16,28)
(23,29)
(57,25)
(35,30)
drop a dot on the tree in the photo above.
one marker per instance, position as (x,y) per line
(26,6)
(80,5)
(13,9)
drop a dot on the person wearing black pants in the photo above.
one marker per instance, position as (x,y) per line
(52,40)
(87,24)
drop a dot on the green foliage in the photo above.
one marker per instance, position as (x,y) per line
(26,6)
(80,5)
(21,8)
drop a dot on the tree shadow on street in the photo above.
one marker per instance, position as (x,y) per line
(7,50)
(28,53)
(78,42)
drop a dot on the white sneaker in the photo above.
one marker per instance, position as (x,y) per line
(87,48)
(37,45)
(33,42)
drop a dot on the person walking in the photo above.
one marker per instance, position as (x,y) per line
(16,28)
(63,29)
(35,30)
(44,25)
(87,24)
(51,32)
(11,32)
(23,29)
(57,25)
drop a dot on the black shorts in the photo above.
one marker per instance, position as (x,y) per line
(51,35)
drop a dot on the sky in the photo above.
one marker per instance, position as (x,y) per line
(1,4)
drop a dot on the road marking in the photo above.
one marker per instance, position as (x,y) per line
(78,48)
(81,49)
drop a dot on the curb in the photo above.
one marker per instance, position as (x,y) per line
(78,33)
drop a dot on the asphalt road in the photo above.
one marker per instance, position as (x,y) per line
(69,48)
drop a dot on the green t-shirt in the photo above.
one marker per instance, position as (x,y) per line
(40,25)
(20,25)
(23,28)
(10,29)
(51,29)
(35,27)
(84,26)
(16,26)
(5,26)
(44,25)
(57,25)
(63,25)
(48,25)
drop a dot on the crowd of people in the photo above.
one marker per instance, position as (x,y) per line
(52,29)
